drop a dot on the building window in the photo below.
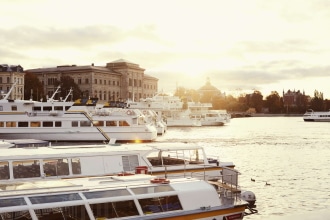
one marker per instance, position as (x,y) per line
(95,81)
(79,81)
(86,81)
(130,82)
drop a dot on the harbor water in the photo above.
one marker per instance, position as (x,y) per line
(291,155)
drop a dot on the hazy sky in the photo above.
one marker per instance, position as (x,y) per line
(265,45)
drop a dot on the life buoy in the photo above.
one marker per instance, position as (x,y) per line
(160,181)
(129,112)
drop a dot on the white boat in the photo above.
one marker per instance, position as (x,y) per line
(119,197)
(150,115)
(169,160)
(178,113)
(169,109)
(65,121)
(208,116)
(311,115)
(114,181)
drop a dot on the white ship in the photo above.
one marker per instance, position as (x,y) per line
(64,121)
(82,182)
(178,113)
(311,115)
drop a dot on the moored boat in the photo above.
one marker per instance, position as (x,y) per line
(119,197)
(311,115)
(67,121)
(168,160)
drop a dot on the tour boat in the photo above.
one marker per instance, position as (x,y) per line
(150,115)
(138,196)
(68,121)
(311,115)
(179,113)
(169,160)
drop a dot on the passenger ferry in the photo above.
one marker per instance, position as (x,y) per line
(311,115)
(69,121)
(168,160)
(150,115)
(137,196)
(182,113)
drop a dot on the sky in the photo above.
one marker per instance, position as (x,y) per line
(239,45)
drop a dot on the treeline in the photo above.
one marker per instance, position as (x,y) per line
(273,103)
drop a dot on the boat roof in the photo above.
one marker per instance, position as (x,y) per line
(91,150)
(89,184)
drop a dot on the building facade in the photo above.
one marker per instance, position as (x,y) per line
(10,74)
(119,80)
(293,98)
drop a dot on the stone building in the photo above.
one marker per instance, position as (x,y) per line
(293,98)
(9,74)
(119,80)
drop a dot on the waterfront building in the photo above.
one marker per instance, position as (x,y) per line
(293,98)
(117,81)
(9,74)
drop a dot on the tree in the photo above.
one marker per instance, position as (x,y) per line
(273,102)
(67,83)
(33,88)
(317,102)
(254,100)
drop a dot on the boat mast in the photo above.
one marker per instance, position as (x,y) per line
(11,89)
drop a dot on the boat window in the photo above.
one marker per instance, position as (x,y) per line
(98,123)
(106,194)
(23,124)
(36,108)
(55,198)
(68,213)
(114,209)
(26,169)
(76,169)
(56,167)
(4,170)
(110,123)
(47,124)
(58,108)
(152,189)
(67,107)
(123,123)
(47,108)
(58,124)
(160,204)
(35,124)
(1,108)
(2,124)
(130,162)
(14,108)
(85,123)
(74,123)
(12,202)
(10,124)
(21,215)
